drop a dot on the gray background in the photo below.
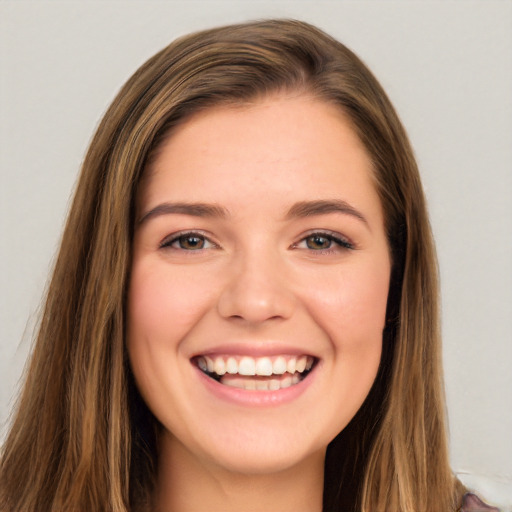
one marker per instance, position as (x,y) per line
(447,66)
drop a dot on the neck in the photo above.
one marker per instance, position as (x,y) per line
(187,484)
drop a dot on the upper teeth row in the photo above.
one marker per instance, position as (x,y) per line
(254,366)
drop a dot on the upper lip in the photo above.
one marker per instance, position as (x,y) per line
(254,349)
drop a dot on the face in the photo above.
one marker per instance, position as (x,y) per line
(259,283)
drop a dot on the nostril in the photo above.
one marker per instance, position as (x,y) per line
(255,291)
(254,306)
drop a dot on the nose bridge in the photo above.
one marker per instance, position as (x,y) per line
(257,289)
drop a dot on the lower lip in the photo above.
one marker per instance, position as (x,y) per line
(257,398)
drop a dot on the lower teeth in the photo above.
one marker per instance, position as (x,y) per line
(257,382)
(261,384)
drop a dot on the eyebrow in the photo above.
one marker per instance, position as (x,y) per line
(193,209)
(298,210)
(322,207)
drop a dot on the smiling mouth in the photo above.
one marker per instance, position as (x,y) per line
(256,373)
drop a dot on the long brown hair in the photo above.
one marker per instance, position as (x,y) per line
(82,438)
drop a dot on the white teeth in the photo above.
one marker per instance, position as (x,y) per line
(247,366)
(249,384)
(250,366)
(274,385)
(264,366)
(286,382)
(301,364)
(220,366)
(279,366)
(262,385)
(256,381)
(231,365)
(237,384)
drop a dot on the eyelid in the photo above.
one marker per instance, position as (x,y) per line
(167,242)
(342,241)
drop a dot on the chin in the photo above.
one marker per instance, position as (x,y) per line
(262,460)
(261,449)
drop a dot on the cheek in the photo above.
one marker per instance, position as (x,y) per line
(163,308)
(353,303)
(164,304)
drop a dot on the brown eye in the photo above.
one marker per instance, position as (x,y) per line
(191,242)
(318,242)
(324,241)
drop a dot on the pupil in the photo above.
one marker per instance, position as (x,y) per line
(191,242)
(318,242)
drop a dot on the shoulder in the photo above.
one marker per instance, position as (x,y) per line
(472,503)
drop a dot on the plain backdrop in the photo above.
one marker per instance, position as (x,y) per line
(447,66)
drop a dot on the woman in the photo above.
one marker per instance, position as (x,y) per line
(243,312)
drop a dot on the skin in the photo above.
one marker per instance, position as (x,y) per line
(258,283)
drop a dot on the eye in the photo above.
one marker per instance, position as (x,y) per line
(317,242)
(324,241)
(190,241)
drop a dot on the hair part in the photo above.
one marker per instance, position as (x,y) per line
(82,437)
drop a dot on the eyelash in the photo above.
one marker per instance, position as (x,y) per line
(341,242)
(183,235)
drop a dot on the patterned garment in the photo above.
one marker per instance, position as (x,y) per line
(472,503)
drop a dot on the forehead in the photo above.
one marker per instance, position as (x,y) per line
(285,148)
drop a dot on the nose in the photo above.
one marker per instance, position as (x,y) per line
(257,290)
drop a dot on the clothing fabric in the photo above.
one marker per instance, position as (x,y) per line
(472,503)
